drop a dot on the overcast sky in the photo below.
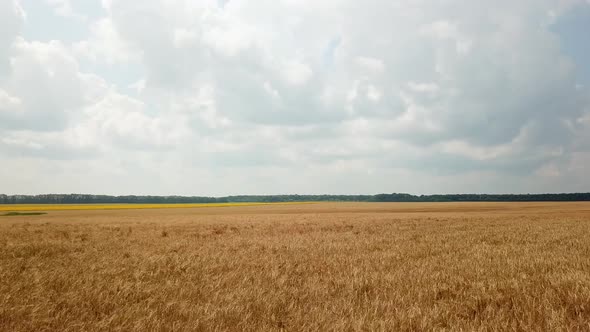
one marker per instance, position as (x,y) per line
(219,97)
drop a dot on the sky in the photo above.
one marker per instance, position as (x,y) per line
(224,97)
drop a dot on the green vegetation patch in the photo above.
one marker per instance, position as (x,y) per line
(12,214)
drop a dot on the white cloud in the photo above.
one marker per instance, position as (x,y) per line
(12,17)
(296,73)
(9,103)
(105,45)
(371,64)
(64,8)
(321,91)
(124,122)
(45,78)
(423,87)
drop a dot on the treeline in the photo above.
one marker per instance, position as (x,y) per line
(131,199)
(483,198)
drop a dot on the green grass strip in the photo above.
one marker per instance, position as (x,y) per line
(12,214)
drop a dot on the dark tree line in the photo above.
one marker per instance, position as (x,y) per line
(483,198)
(132,199)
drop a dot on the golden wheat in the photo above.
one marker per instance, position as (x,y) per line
(321,267)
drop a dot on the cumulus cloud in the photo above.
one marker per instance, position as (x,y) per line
(12,17)
(46,82)
(396,95)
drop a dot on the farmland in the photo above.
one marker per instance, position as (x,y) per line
(65,207)
(298,267)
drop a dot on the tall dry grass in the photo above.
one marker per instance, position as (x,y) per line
(318,268)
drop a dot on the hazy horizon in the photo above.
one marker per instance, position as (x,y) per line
(304,194)
(234,97)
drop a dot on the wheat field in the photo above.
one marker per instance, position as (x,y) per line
(318,267)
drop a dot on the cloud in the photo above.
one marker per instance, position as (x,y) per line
(105,45)
(64,8)
(46,82)
(387,93)
(12,17)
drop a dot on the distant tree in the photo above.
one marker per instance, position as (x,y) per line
(393,197)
